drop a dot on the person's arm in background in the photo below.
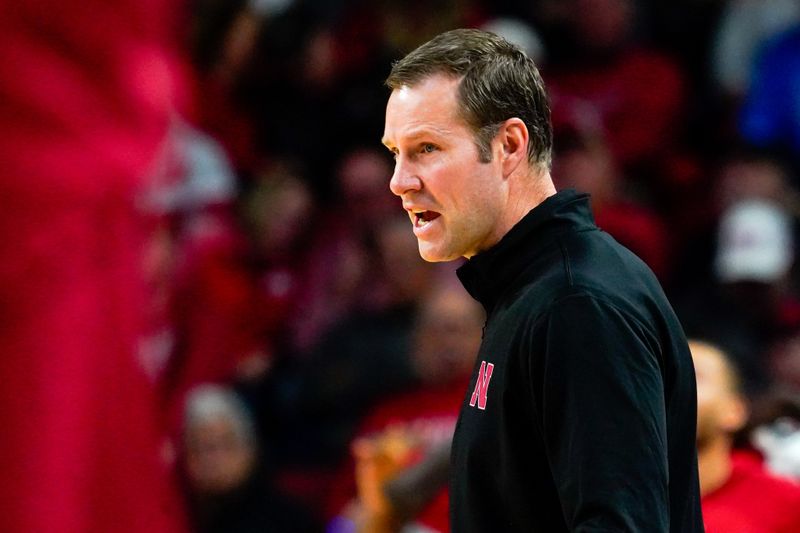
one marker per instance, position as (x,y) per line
(415,487)
(389,493)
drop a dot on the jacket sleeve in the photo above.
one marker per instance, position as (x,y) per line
(598,394)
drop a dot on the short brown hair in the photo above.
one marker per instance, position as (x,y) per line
(499,81)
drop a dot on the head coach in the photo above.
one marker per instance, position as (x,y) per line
(581,410)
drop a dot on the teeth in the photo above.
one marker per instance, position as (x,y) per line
(419,218)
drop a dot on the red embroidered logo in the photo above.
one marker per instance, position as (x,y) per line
(479,396)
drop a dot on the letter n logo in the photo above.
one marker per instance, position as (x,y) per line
(482,386)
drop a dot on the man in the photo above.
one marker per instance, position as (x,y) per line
(227,480)
(738,494)
(582,405)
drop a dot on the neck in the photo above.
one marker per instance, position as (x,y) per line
(527,194)
(714,462)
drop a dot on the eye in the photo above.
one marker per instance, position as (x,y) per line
(428,148)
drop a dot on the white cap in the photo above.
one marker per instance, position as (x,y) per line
(520,33)
(755,243)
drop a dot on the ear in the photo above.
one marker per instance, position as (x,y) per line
(513,140)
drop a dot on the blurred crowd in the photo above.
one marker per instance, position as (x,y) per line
(304,360)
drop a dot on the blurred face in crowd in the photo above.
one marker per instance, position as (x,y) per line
(362,180)
(277,210)
(407,275)
(784,362)
(586,165)
(218,458)
(447,336)
(750,180)
(602,24)
(453,199)
(721,410)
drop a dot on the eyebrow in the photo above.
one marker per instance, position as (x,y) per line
(422,131)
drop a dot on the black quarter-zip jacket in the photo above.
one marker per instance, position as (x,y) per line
(581,411)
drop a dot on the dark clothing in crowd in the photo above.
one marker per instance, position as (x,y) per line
(582,408)
(744,329)
(320,402)
(255,507)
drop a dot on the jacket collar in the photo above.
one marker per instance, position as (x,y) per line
(486,275)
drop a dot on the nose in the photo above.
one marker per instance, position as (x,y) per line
(405,178)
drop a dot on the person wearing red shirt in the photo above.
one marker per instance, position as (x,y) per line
(738,494)
(405,435)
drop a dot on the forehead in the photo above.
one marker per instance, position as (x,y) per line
(709,364)
(430,106)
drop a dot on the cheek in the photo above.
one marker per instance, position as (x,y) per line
(483,204)
(469,181)
(710,411)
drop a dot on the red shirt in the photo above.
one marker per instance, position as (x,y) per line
(432,413)
(752,501)
(636,100)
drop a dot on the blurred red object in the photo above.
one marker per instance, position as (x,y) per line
(86,93)
(636,100)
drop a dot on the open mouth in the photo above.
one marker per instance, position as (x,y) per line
(423,218)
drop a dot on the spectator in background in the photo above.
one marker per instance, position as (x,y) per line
(751,299)
(446,337)
(280,214)
(750,174)
(740,174)
(756,244)
(340,277)
(194,205)
(743,27)
(236,284)
(519,32)
(770,115)
(227,485)
(364,357)
(224,37)
(635,93)
(737,493)
(584,162)
(405,29)
(320,398)
(319,63)
(775,426)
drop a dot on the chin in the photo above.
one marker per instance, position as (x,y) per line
(432,254)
